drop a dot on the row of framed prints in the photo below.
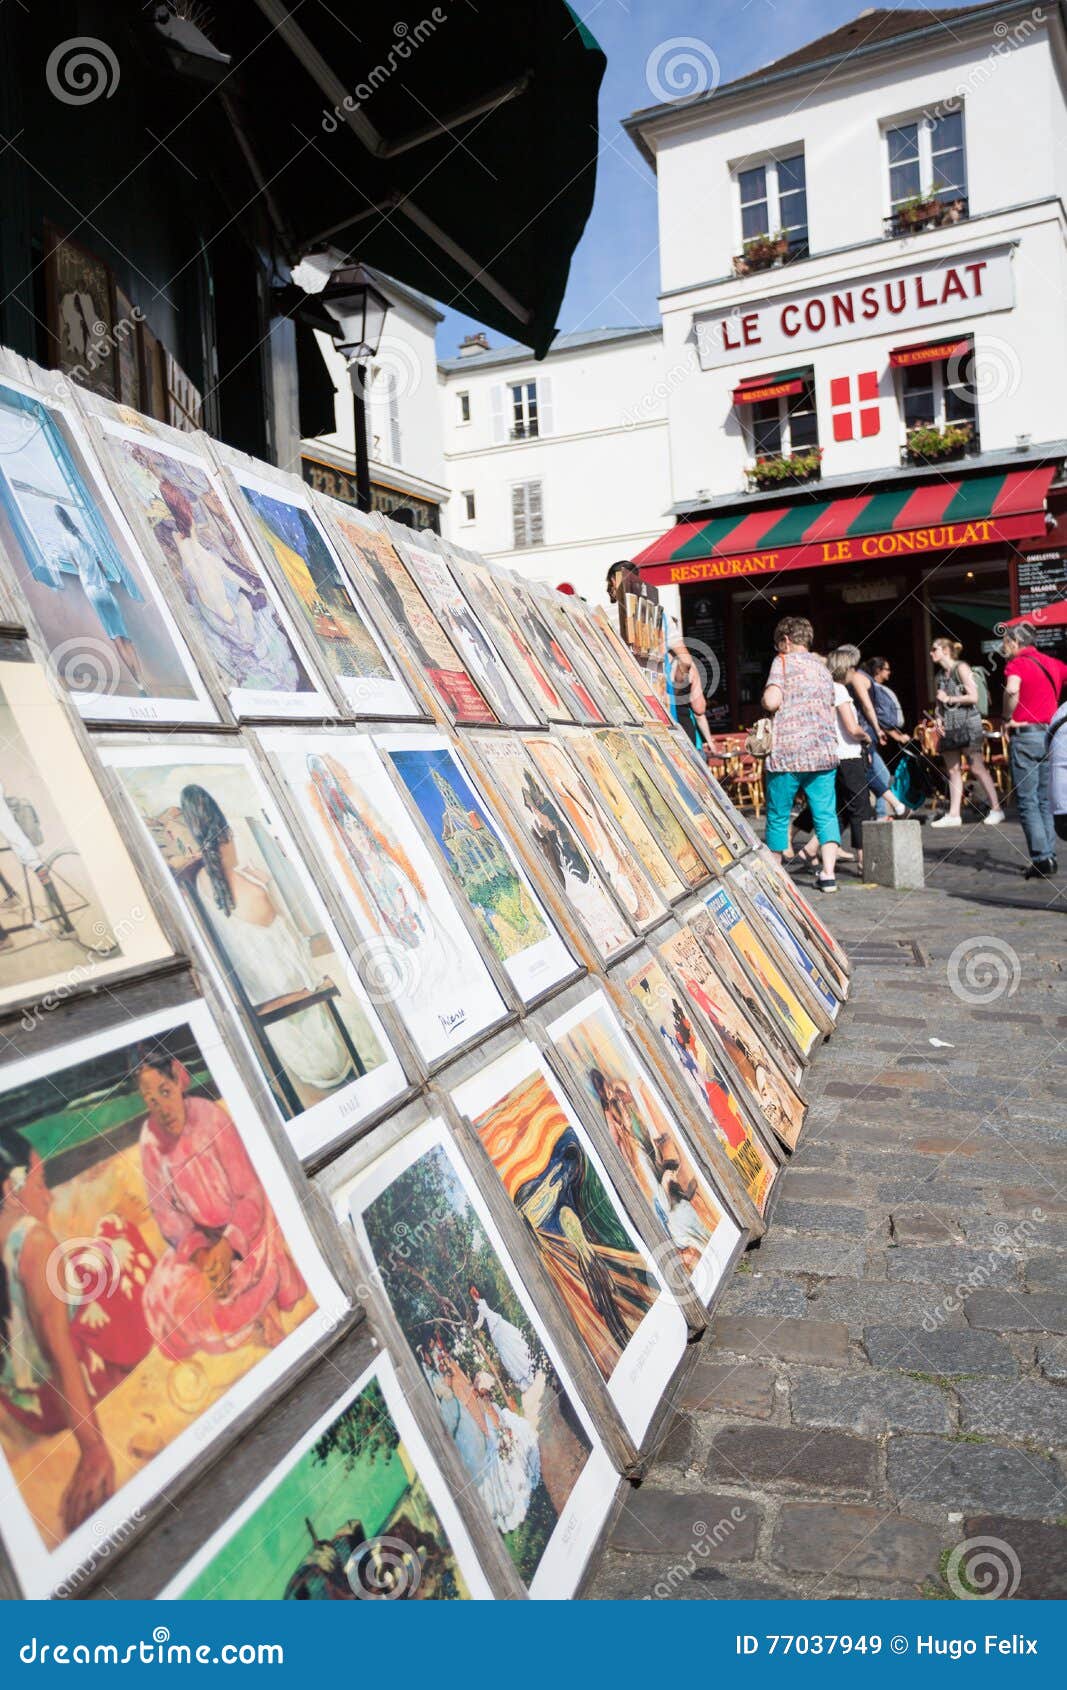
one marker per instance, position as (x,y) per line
(392,1066)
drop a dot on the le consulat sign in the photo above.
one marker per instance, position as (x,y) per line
(902,300)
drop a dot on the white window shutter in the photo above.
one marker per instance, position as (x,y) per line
(544,404)
(500,432)
(535,518)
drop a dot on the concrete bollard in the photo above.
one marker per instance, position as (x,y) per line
(893,855)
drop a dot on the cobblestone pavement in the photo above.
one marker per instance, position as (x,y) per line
(886,1377)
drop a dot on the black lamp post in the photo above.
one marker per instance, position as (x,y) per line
(359,307)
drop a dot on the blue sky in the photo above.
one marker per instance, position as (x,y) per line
(614,273)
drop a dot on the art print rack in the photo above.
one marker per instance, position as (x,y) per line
(431,817)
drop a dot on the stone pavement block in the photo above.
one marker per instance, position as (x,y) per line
(764,1295)
(792,1454)
(951,1265)
(1047,1273)
(854,1542)
(1041,1551)
(965,1475)
(1005,1311)
(778,1253)
(944,1353)
(664,1522)
(823,1217)
(676,1445)
(934,1188)
(1025,1411)
(824,1342)
(719,1387)
(628,1578)
(924,1226)
(869,1402)
(1052,1358)
(863,1303)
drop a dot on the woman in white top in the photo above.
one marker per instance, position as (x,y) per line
(853,792)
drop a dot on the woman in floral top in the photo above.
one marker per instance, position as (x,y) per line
(799,697)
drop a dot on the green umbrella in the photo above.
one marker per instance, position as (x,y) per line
(451,145)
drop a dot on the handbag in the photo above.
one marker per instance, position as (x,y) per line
(759,738)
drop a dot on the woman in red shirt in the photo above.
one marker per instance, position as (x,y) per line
(1031,697)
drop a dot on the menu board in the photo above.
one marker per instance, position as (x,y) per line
(1042,581)
(705,638)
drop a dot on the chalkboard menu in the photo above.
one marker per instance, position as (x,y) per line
(1042,581)
(705,638)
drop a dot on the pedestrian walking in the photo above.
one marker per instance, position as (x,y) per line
(862,690)
(799,698)
(1034,682)
(960,732)
(853,750)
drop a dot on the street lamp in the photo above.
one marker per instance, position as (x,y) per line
(359,307)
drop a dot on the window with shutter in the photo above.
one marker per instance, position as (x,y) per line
(527,514)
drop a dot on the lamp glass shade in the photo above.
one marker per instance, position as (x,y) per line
(359,306)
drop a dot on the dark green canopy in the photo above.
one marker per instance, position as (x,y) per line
(451,145)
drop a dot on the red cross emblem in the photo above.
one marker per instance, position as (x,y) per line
(859,416)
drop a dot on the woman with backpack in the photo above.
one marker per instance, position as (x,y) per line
(960,720)
(1033,685)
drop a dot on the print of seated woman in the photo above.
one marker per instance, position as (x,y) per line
(498,1446)
(262,947)
(72,1324)
(225,1278)
(236,617)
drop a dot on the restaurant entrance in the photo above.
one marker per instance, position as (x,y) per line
(888,612)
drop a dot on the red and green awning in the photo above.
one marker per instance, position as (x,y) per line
(754,389)
(930,352)
(937,516)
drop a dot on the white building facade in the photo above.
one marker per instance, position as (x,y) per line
(403,418)
(863,241)
(560,467)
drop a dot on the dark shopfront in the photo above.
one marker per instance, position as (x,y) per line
(864,575)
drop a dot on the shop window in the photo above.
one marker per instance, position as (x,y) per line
(527,514)
(774,200)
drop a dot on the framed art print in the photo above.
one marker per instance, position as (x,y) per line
(482,867)
(75,566)
(415,947)
(253,903)
(620,1092)
(159,1275)
(358,1509)
(543,1157)
(494,1375)
(335,623)
(175,498)
(74,910)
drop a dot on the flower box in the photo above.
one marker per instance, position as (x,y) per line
(782,471)
(930,445)
(761,253)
